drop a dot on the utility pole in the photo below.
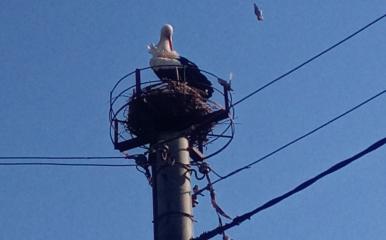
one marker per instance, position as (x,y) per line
(173,121)
(172,198)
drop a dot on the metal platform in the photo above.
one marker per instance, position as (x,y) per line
(142,107)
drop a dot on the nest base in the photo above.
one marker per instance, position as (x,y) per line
(168,107)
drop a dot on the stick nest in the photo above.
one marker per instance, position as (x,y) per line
(166,107)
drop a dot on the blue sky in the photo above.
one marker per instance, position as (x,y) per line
(59,60)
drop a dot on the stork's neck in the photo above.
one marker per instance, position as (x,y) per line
(163,49)
(164,44)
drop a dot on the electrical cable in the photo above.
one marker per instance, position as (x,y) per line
(56,158)
(64,164)
(238,220)
(64,158)
(309,60)
(293,141)
(215,173)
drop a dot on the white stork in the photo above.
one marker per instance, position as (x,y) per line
(165,58)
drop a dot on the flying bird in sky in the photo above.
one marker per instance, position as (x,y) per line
(167,64)
(258,12)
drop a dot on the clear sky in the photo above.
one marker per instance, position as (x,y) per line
(59,60)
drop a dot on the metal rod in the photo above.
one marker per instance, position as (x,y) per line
(138,81)
(226,99)
(115,132)
(220,135)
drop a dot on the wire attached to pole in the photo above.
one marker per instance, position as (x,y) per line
(64,164)
(238,220)
(57,158)
(293,141)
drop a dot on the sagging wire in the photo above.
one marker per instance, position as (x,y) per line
(306,184)
(196,175)
(305,135)
(142,165)
(205,170)
(216,173)
(224,236)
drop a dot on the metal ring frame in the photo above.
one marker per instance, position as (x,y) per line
(122,91)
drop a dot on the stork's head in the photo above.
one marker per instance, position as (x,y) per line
(167,35)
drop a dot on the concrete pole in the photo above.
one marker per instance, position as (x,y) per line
(172,201)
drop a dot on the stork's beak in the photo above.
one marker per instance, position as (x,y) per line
(170,42)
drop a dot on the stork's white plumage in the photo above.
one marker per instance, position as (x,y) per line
(165,58)
(163,53)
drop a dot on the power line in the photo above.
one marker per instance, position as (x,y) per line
(294,141)
(65,158)
(238,220)
(64,164)
(309,60)
(56,158)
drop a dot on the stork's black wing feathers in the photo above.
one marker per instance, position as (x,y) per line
(194,77)
(187,62)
